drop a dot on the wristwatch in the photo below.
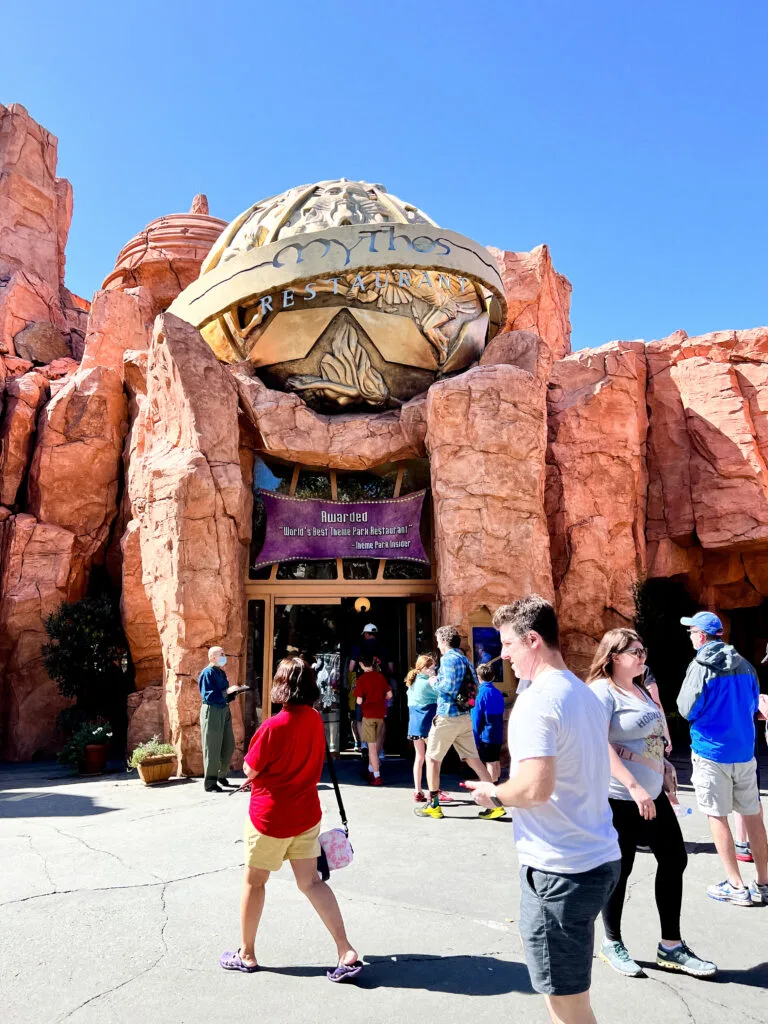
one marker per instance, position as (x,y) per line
(496,802)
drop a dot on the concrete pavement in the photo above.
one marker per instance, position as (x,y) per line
(116,900)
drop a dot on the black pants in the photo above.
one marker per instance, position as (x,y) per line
(665,839)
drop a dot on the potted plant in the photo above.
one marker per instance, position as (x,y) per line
(86,749)
(154,760)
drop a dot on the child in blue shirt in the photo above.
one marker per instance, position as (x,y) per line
(488,721)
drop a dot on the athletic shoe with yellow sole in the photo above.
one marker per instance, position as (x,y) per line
(683,959)
(429,812)
(492,812)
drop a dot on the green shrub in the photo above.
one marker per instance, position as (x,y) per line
(86,655)
(152,748)
(73,752)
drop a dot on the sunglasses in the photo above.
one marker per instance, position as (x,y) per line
(636,652)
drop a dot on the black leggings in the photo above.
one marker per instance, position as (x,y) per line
(665,839)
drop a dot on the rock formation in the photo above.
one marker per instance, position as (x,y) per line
(486,438)
(596,491)
(125,443)
(194,514)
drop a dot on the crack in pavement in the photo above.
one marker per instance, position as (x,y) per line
(95,849)
(43,860)
(674,991)
(108,991)
(118,888)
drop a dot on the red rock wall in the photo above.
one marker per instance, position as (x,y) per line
(596,491)
(194,515)
(708,488)
(486,437)
(538,298)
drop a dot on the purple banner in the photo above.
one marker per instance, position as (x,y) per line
(304,529)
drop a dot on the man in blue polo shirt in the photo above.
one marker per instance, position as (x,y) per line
(216,735)
(719,697)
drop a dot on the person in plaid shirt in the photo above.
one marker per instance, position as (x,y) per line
(451,727)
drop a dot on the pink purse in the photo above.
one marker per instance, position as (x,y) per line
(335,848)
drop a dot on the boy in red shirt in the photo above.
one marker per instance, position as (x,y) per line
(372,692)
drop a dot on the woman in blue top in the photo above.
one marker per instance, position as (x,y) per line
(422,705)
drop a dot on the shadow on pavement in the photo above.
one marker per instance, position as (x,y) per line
(48,805)
(456,975)
(692,847)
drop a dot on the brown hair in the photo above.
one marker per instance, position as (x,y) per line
(615,641)
(422,662)
(486,672)
(294,683)
(530,614)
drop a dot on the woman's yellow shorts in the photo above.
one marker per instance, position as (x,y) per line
(268,853)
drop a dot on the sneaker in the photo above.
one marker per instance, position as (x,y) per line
(226,783)
(429,812)
(758,893)
(681,958)
(375,780)
(616,956)
(743,853)
(419,798)
(724,892)
(490,813)
(445,798)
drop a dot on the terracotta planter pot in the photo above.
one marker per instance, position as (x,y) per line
(95,758)
(157,769)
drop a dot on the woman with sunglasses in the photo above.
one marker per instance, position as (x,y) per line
(642,814)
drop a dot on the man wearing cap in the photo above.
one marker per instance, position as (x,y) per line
(719,698)
(371,646)
(217,737)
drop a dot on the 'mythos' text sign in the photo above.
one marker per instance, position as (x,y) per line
(303,529)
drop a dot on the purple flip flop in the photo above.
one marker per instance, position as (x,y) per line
(234,962)
(345,972)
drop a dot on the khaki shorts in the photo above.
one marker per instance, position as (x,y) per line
(451,731)
(268,853)
(722,788)
(372,729)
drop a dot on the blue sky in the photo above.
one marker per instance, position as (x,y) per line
(629,135)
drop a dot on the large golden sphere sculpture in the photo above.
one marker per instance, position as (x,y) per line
(345,295)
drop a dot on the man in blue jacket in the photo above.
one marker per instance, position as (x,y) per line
(719,698)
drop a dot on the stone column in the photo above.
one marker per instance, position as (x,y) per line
(194,514)
(486,437)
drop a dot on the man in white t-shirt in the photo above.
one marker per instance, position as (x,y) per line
(566,842)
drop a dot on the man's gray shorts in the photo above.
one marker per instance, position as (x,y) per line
(722,788)
(557,925)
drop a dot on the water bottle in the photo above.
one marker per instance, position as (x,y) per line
(680,811)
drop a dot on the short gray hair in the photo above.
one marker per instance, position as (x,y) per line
(448,635)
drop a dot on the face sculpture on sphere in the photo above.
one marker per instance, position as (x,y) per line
(345,295)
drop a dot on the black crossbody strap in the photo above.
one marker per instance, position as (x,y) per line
(337,791)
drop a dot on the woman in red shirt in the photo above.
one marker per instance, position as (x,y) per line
(284,763)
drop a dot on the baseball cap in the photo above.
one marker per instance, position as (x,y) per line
(707,622)
(370,628)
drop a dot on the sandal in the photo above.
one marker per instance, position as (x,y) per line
(234,962)
(345,972)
